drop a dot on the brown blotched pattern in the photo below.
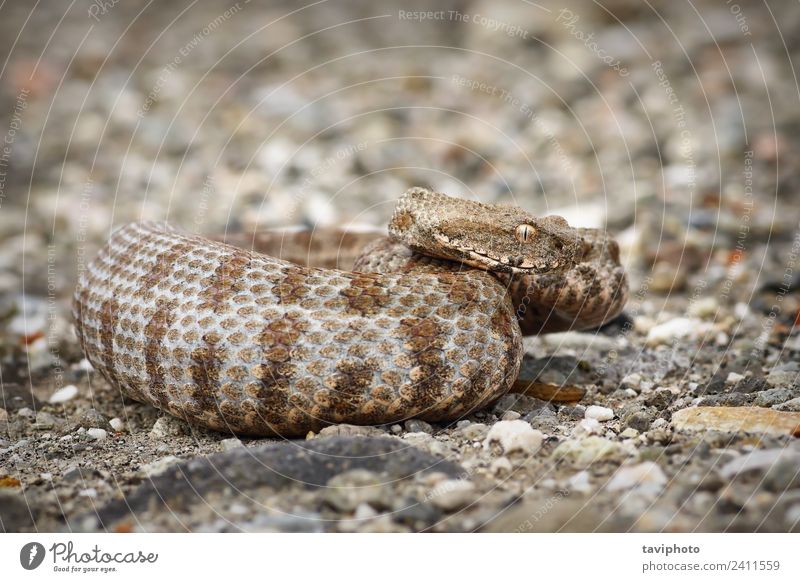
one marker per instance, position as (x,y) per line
(243,342)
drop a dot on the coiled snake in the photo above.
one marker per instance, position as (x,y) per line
(428,324)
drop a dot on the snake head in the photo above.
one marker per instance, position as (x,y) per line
(490,237)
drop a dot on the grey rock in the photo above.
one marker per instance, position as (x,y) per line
(305,464)
(348,490)
(416,425)
(350,430)
(775,396)
(92,419)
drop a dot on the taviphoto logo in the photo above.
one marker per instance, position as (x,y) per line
(31,555)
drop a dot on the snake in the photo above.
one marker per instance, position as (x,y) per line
(241,337)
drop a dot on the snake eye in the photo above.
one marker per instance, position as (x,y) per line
(524,232)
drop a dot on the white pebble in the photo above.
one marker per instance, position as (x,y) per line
(501,465)
(64,394)
(452,494)
(514,435)
(91,493)
(233,443)
(587,426)
(580,482)
(85,365)
(679,327)
(97,434)
(600,413)
(117,424)
(158,466)
(734,378)
(647,475)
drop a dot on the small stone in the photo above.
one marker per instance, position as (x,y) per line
(511,415)
(90,493)
(45,420)
(473,431)
(3,415)
(117,424)
(452,494)
(350,430)
(158,466)
(501,466)
(64,394)
(631,381)
(26,412)
(514,435)
(600,413)
(677,328)
(416,425)
(97,434)
(587,426)
(792,405)
(590,450)
(232,443)
(759,461)
(348,490)
(706,307)
(734,378)
(168,426)
(580,482)
(741,419)
(646,476)
(364,511)
(91,418)
(774,396)
(638,421)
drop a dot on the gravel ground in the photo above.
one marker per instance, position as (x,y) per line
(673,127)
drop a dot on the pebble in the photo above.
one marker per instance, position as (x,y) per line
(501,466)
(3,415)
(677,328)
(734,378)
(514,436)
(631,381)
(350,430)
(647,477)
(97,434)
(232,443)
(590,450)
(629,433)
(117,424)
(158,466)
(600,413)
(587,426)
(64,394)
(580,482)
(737,419)
(452,494)
(416,425)
(350,489)
(168,426)
(792,405)
(758,461)
(91,492)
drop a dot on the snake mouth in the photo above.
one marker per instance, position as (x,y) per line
(517,265)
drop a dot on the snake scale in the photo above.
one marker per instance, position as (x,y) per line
(428,323)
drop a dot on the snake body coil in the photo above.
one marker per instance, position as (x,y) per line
(243,342)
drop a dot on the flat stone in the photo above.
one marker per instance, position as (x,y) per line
(350,430)
(759,461)
(592,449)
(748,419)
(646,476)
(306,464)
(64,394)
(452,494)
(514,435)
(600,413)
